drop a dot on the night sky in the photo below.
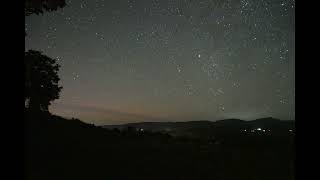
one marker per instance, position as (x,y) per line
(170,60)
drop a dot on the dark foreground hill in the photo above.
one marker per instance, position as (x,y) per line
(56,148)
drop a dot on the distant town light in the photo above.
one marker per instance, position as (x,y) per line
(259,129)
(290,130)
(264,130)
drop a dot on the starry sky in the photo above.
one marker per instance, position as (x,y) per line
(170,60)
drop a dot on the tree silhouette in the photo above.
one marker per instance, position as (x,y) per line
(41,83)
(41,72)
(39,6)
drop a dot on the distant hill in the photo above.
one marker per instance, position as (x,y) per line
(211,127)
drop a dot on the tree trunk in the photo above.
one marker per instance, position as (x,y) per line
(34,105)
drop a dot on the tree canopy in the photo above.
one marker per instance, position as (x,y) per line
(41,80)
(39,6)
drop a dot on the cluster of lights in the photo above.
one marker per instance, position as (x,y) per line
(257,129)
(263,130)
(139,129)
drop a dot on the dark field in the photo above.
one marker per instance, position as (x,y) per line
(57,148)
